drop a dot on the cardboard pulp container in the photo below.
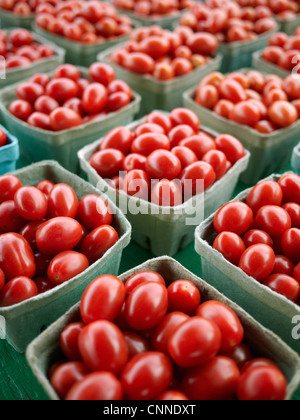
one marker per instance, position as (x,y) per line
(9,154)
(166,22)
(9,19)
(37,144)
(165,230)
(296,159)
(272,310)
(269,152)
(157,94)
(24,321)
(264,66)
(289,26)
(44,350)
(45,65)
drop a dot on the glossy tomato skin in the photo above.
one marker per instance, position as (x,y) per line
(143,277)
(183,297)
(162,164)
(256,236)
(66,375)
(233,217)
(31,203)
(230,245)
(165,329)
(147,375)
(290,185)
(29,231)
(98,242)
(62,202)
(68,340)
(17,290)
(172,396)
(184,116)
(231,147)
(216,380)
(283,265)
(225,318)
(195,342)
(93,212)
(241,355)
(147,143)
(58,235)
(265,193)
(64,119)
(119,138)
(10,219)
(102,299)
(258,261)
(9,185)
(137,183)
(265,383)
(16,256)
(166,193)
(293,210)
(146,306)
(2,279)
(66,266)
(274,220)
(136,344)
(97,386)
(284,285)
(185,155)
(94,98)
(103,347)
(108,163)
(193,175)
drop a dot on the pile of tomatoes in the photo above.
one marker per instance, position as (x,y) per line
(262,234)
(88,22)
(283,50)
(265,103)
(67,100)
(228,21)
(20,7)
(48,236)
(145,340)
(19,49)
(162,159)
(3,138)
(153,8)
(163,54)
(283,9)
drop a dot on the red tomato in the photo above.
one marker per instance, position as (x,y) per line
(146,306)
(98,242)
(293,210)
(172,396)
(9,185)
(233,217)
(194,342)
(93,212)
(119,138)
(94,98)
(232,91)
(31,203)
(2,279)
(161,119)
(10,220)
(148,128)
(165,329)
(197,178)
(258,261)
(231,147)
(150,142)
(102,299)
(147,375)
(290,243)
(183,297)
(29,231)
(143,277)
(296,273)
(139,63)
(216,380)
(245,113)
(225,318)
(103,347)
(155,46)
(230,245)
(179,133)
(284,285)
(283,114)
(97,386)
(119,86)
(256,236)
(241,355)
(16,256)
(265,383)
(58,235)
(62,89)
(290,185)
(207,96)
(223,108)
(134,161)
(68,340)
(62,201)
(45,104)
(17,290)
(20,109)
(162,164)
(166,193)
(200,144)
(108,163)
(40,120)
(29,92)
(137,184)
(274,220)
(185,155)
(283,265)
(68,71)
(66,266)
(116,101)
(3,138)
(203,43)
(64,119)
(264,193)
(66,375)
(184,116)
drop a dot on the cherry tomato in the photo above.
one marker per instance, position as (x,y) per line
(245,113)
(64,119)
(290,186)
(233,217)
(147,375)
(10,219)
(207,96)
(296,273)
(264,193)
(16,256)
(39,120)
(265,383)
(225,318)
(97,386)
(29,92)
(161,119)
(184,116)
(20,109)
(256,236)
(17,290)
(136,344)
(140,63)
(232,91)
(146,306)
(31,203)
(119,138)
(200,144)
(218,161)
(137,184)
(68,71)
(179,133)
(150,142)
(103,299)
(2,279)
(194,342)
(98,242)
(94,98)
(103,347)
(9,185)
(230,245)
(258,261)
(166,193)
(66,266)
(216,380)
(62,89)
(108,163)
(203,43)
(62,201)
(231,147)
(134,161)
(3,138)
(66,375)
(165,329)
(293,210)
(183,297)
(119,86)
(68,340)
(290,243)
(185,155)
(241,355)
(143,277)
(58,235)
(274,220)
(163,164)
(283,265)
(93,212)
(197,178)
(283,114)
(45,104)
(284,285)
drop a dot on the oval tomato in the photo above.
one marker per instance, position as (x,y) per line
(233,217)
(31,203)
(62,201)
(143,277)
(17,290)
(93,212)
(183,297)
(68,340)
(65,266)
(66,375)
(258,261)
(165,329)
(9,185)
(98,242)
(230,245)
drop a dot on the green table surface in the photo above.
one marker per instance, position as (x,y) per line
(16,379)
